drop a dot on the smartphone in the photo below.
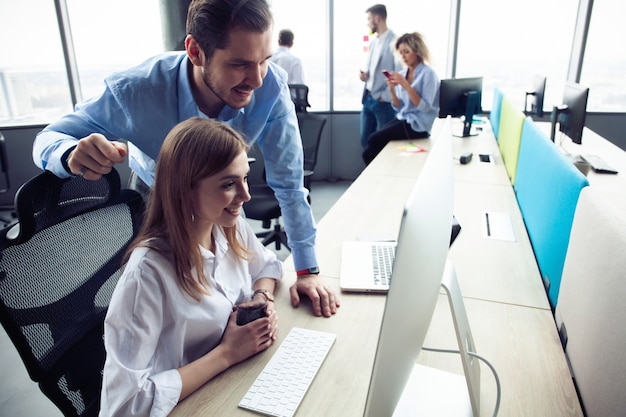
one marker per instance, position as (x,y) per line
(246,314)
(387,73)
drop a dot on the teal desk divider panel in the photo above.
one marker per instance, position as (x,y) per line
(547,188)
(494,114)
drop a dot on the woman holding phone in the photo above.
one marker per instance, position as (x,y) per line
(414,95)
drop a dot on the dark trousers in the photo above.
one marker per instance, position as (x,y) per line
(394,130)
(374,115)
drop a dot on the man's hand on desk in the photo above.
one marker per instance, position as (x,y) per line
(323,298)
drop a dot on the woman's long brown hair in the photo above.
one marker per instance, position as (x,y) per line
(194,149)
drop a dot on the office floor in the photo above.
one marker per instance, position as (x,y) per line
(21,397)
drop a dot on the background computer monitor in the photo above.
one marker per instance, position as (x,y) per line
(461,97)
(572,113)
(418,268)
(535,97)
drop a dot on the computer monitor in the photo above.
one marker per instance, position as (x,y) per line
(422,249)
(535,97)
(571,115)
(461,97)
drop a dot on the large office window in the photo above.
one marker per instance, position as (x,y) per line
(33,82)
(605,58)
(351,39)
(108,36)
(309,22)
(112,35)
(508,43)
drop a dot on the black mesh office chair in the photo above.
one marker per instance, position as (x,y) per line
(263,205)
(58,268)
(300,97)
(311,127)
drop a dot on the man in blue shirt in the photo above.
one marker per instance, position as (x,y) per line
(377,109)
(224,74)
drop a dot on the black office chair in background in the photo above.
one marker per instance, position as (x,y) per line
(311,127)
(300,97)
(58,267)
(263,205)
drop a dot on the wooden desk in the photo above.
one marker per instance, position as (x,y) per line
(511,321)
(400,158)
(522,345)
(491,269)
(339,389)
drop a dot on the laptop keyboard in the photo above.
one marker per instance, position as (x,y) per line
(382,261)
(280,387)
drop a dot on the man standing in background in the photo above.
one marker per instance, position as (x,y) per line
(288,61)
(377,110)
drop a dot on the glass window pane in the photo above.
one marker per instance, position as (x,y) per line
(309,23)
(33,82)
(112,35)
(350,31)
(508,43)
(604,63)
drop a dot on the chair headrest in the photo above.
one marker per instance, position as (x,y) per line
(46,200)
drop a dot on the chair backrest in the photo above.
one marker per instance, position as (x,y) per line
(509,135)
(57,277)
(263,205)
(46,200)
(4,168)
(300,97)
(256,176)
(494,114)
(311,127)
(547,189)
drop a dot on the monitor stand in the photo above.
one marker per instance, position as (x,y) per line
(464,128)
(472,102)
(432,391)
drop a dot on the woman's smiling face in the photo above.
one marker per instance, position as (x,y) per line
(218,199)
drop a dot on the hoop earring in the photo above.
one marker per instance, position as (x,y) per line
(193,218)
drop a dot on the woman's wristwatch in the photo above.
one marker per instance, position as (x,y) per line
(266,293)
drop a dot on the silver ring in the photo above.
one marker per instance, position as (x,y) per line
(81,171)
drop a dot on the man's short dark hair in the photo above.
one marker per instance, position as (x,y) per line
(211,21)
(378,9)
(285,37)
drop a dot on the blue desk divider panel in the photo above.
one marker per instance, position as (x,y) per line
(547,188)
(494,114)
(509,135)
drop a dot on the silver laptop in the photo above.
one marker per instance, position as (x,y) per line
(366,266)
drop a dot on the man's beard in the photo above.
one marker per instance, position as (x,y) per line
(220,94)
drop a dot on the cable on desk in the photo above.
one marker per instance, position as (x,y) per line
(486,362)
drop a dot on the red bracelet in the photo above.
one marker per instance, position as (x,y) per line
(309,271)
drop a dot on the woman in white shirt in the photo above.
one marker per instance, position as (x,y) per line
(171,324)
(414,96)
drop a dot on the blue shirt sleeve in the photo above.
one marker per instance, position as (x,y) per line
(271,120)
(426,84)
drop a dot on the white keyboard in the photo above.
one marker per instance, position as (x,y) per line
(280,387)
